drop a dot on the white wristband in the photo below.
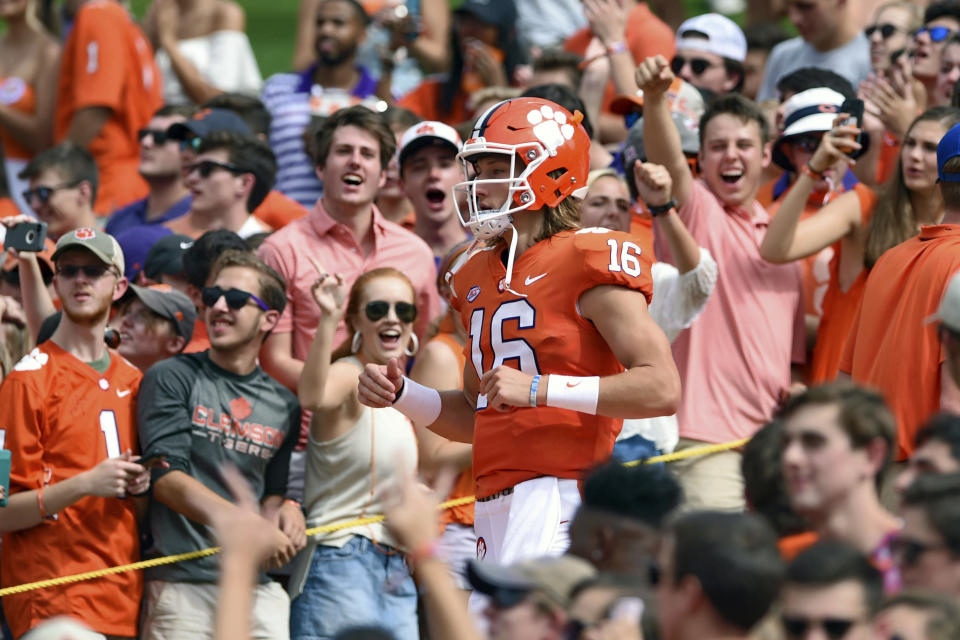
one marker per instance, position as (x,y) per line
(576,394)
(419,403)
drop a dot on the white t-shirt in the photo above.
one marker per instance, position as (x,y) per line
(225,60)
(852,61)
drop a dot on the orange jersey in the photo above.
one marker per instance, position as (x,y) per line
(424,101)
(465,483)
(277,210)
(107,62)
(839,307)
(891,346)
(62,417)
(539,330)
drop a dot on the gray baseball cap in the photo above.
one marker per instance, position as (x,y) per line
(168,303)
(99,243)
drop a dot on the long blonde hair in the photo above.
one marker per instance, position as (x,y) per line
(894,219)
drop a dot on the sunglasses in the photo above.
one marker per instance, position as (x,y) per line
(159,136)
(807,142)
(91,271)
(937,34)
(43,194)
(206,167)
(378,309)
(886,30)
(834,628)
(697,65)
(236,298)
(908,552)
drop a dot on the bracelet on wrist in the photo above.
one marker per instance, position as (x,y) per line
(616,47)
(533,390)
(660,209)
(810,172)
(293,502)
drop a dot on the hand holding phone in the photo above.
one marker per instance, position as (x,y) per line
(26,236)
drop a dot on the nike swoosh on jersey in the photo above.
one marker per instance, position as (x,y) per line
(529,281)
(186,245)
(124,393)
(573,384)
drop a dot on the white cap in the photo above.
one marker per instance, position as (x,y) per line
(949,312)
(811,110)
(427,132)
(724,37)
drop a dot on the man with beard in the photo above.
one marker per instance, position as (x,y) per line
(333,81)
(68,416)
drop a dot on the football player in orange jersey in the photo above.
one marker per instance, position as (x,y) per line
(561,345)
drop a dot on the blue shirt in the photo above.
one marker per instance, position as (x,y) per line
(135,214)
(288,96)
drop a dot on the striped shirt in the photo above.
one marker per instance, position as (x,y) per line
(291,98)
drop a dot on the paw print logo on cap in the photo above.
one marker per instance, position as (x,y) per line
(84,233)
(550,127)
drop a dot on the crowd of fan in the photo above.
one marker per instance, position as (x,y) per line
(248,246)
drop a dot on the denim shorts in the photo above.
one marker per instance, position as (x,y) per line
(358,584)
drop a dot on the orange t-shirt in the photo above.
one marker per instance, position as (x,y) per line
(465,482)
(277,210)
(647,35)
(425,102)
(107,62)
(8,208)
(891,346)
(641,228)
(839,307)
(19,96)
(539,330)
(62,418)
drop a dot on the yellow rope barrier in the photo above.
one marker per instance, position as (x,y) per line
(192,555)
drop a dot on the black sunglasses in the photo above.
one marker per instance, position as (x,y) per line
(43,194)
(92,271)
(937,34)
(236,298)
(835,628)
(908,552)
(206,167)
(378,309)
(808,142)
(698,65)
(159,136)
(886,30)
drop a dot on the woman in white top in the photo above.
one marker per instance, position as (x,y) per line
(679,292)
(202,49)
(354,576)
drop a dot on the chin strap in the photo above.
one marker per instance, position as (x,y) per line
(510,257)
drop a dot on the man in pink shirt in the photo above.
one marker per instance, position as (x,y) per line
(735,361)
(346,234)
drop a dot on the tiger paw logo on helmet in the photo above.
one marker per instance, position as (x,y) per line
(550,127)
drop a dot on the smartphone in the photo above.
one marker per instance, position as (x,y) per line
(5,475)
(854,107)
(26,236)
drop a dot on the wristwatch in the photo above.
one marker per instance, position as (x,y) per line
(660,209)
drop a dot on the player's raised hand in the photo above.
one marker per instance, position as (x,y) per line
(505,387)
(654,76)
(379,384)
(653,183)
(110,478)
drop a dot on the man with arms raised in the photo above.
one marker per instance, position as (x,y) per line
(735,361)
